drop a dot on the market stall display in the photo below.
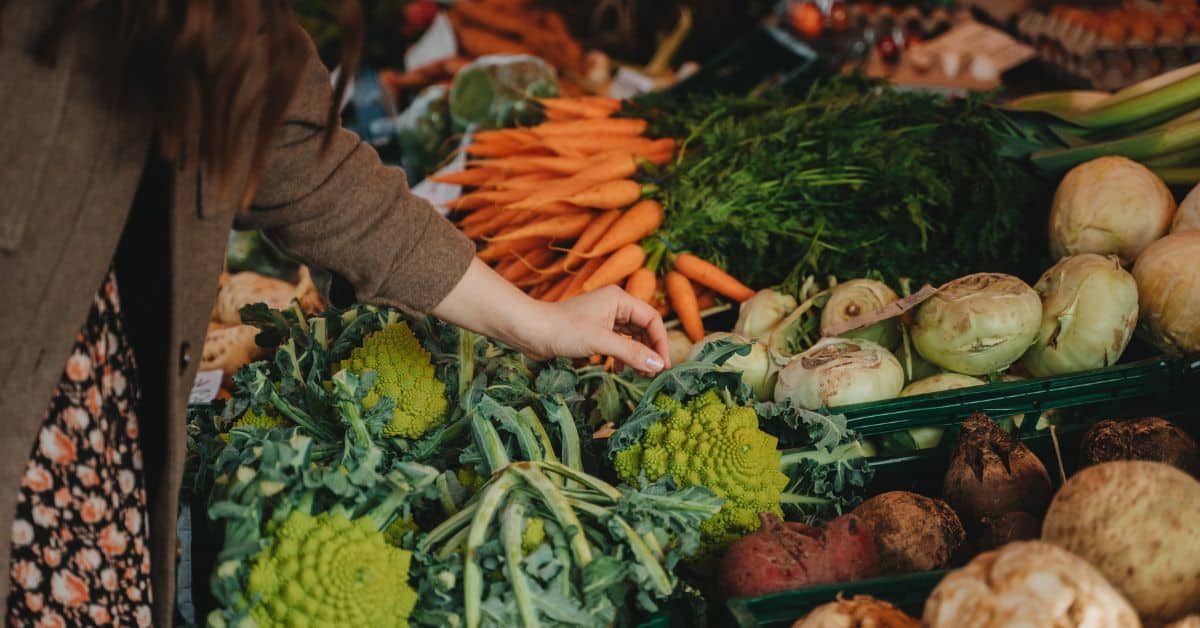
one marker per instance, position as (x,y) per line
(873,389)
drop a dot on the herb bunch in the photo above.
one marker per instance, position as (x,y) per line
(847,178)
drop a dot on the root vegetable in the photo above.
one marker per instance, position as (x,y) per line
(978,324)
(1138,523)
(992,474)
(245,288)
(757,369)
(759,314)
(1110,206)
(1027,583)
(1187,218)
(228,349)
(836,372)
(781,556)
(679,345)
(1151,438)
(1089,311)
(859,297)
(1169,292)
(860,611)
(912,532)
(1014,526)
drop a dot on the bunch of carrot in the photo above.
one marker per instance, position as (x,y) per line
(487,27)
(558,212)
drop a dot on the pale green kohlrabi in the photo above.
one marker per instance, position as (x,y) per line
(757,369)
(759,314)
(926,437)
(838,372)
(1089,312)
(978,324)
(860,297)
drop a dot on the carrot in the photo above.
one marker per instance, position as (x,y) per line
(609,169)
(641,285)
(535,279)
(638,222)
(488,197)
(497,250)
(589,237)
(464,177)
(556,228)
(576,286)
(706,299)
(560,286)
(540,290)
(609,195)
(602,126)
(616,267)
(527,164)
(682,297)
(507,22)
(555,115)
(584,145)
(478,42)
(557,208)
(612,104)
(529,264)
(487,227)
(576,107)
(707,274)
(480,216)
(492,150)
(531,181)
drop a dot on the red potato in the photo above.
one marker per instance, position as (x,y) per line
(782,555)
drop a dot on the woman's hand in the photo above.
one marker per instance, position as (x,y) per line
(604,322)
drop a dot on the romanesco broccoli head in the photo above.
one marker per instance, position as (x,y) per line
(707,443)
(403,372)
(533,535)
(329,570)
(264,421)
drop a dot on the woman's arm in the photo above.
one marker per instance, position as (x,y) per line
(343,210)
(485,302)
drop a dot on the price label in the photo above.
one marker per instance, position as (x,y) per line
(206,387)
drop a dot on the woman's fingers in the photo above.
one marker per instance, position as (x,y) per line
(629,351)
(636,312)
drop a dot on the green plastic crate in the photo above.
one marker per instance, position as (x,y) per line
(1165,379)
(1168,387)
(782,609)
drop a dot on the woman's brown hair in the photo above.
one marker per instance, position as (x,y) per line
(192,57)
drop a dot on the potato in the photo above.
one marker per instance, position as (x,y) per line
(860,611)
(1137,522)
(912,532)
(1030,584)
(1150,438)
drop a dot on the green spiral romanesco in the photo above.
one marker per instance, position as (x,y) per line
(533,535)
(261,421)
(719,447)
(404,373)
(327,570)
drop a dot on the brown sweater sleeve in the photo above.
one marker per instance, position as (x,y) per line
(347,212)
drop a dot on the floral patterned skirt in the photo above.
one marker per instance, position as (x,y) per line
(79,540)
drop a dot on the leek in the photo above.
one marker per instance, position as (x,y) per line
(1160,140)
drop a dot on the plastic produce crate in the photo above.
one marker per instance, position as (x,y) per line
(1167,387)
(1111,392)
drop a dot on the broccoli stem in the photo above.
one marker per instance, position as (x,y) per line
(845,451)
(487,441)
(466,360)
(558,505)
(448,528)
(534,425)
(512,523)
(645,556)
(557,411)
(492,498)
(589,481)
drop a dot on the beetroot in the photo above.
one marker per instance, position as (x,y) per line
(782,555)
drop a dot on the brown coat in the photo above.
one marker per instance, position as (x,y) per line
(70,162)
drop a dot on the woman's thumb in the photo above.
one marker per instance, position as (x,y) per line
(630,351)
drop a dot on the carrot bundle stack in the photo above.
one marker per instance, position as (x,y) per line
(556,210)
